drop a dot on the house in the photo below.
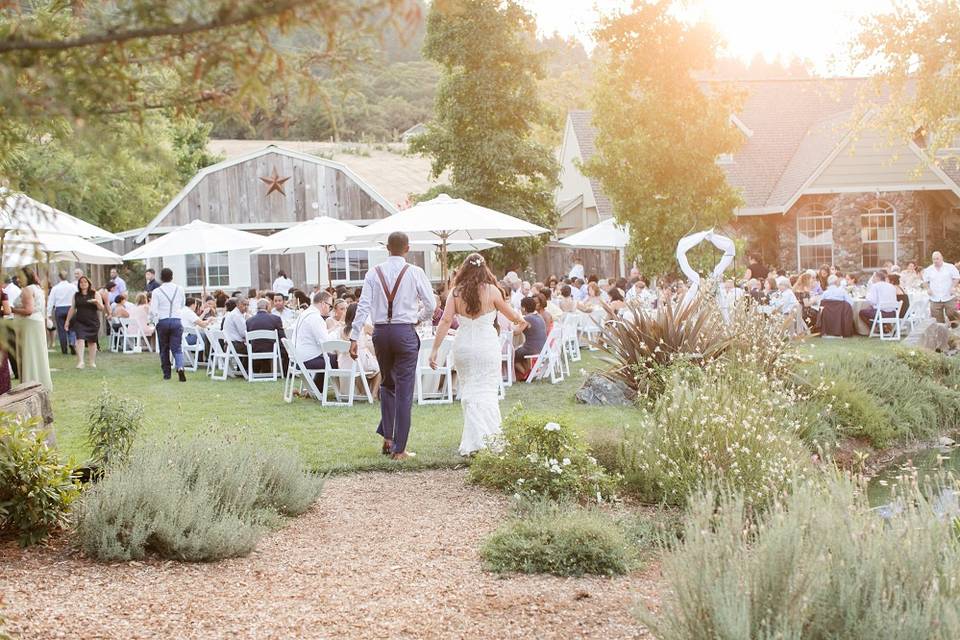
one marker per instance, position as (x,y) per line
(263,192)
(822,181)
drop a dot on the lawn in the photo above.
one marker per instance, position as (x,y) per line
(330,439)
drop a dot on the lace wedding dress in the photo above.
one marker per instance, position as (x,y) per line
(476,357)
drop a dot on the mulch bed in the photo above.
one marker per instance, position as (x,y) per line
(381,555)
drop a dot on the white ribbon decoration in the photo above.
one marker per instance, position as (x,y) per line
(723,243)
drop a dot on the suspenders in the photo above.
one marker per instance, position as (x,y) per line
(170,299)
(388,293)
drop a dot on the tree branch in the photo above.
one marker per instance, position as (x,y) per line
(178,29)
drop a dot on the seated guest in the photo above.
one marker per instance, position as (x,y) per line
(281,310)
(836,291)
(567,301)
(902,296)
(617,303)
(535,335)
(910,277)
(641,293)
(823,277)
(541,301)
(264,320)
(755,291)
(141,315)
(190,320)
(309,334)
(785,301)
(235,324)
(881,294)
(552,308)
(335,321)
(730,295)
(366,354)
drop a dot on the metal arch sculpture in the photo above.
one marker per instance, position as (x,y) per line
(686,243)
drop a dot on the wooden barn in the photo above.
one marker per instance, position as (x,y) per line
(264,192)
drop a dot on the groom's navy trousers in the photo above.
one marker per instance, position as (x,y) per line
(397,346)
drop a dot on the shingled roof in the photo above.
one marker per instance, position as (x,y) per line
(586,135)
(794,126)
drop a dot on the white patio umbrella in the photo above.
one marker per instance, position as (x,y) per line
(604,235)
(320,233)
(197,237)
(26,248)
(449,220)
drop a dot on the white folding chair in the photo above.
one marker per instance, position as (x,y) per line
(272,356)
(297,369)
(222,358)
(590,327)
(191,352)
(347,374)
(894,321)
(435,386)
(549,363)
(116,335)
(506,358)
(570,339)
(132,339)
(917,313)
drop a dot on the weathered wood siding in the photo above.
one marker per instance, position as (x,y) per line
(556,260)
(236,195)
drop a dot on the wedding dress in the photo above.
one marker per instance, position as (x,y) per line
(476,357)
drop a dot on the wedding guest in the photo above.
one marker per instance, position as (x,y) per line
(641,293)
(941,280)
(335,321)
(282,284)
(281,310)
(756,267)
(140,314)
(755,291)
(785,301)
(513,285)
(593,299)
(576,271)
(84,320)
(166,307)
(58,307)
(535,336)
(547,317)
(309,334)
(366,354)
(32,332)
(567,303)
(152,283)
(189,319)
(551,306)
(882,295)
(617,303)
(121,284)
(264,320)
(235,324)
(836,290)
(910,278)
(12,289)
(902,297)
(823,276)
(4,344)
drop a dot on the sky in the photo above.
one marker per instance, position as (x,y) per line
(818,30)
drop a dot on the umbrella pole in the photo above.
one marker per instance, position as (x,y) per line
(443,262)
(203,274)
(3,236)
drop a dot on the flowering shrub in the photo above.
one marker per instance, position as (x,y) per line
(761,342)
(722,425)
(538,456)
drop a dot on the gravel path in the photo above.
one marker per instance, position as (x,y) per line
(380,556)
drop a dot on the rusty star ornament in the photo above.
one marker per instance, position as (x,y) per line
(275,183)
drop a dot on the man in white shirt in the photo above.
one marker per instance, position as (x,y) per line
(396,295)
(120,282)
(881,295)
(282,284)
(12,290)
(836,291)
(513,283)
(641,293)
(941,280)
(166,306)
(235,324)
(309,334)
(786,300)
(280,309)
(577,270)
(58,306)
(579,290)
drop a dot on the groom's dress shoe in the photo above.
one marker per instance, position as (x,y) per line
(404,455)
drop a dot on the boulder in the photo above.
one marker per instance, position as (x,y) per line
(936,337)
(946,441)
(30,400)
(600,390)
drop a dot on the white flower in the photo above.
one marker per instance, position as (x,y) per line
(566,461)
(532,457)
(551,426)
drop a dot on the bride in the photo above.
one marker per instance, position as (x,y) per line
(476,299)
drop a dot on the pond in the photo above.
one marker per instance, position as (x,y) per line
(926,463)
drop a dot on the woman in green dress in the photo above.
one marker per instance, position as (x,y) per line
(32,332)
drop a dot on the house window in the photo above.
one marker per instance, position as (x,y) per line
(814,236)
(878,233)
(349,265)
(218,270)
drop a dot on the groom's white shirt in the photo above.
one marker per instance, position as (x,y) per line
(406,309)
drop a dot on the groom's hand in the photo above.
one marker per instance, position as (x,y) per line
(353,349)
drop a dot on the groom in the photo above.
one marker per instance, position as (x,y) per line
(389,297)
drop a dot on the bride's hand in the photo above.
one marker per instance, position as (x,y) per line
(522,324)
(433,360)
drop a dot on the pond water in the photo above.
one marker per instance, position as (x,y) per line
(927,463)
